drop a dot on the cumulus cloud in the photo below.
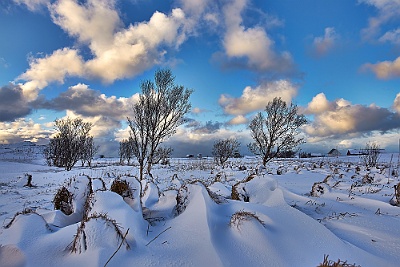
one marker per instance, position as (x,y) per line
(384,69)
(340,118)
(88,102)
(323,45)
(250,47)
(388,10)
(253,99)
(13,105)
(22,130)
(239,119)
(52,68)
(318,105)
(116,51)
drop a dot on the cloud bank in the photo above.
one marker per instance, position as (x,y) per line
(340,118)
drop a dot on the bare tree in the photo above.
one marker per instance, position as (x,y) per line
(224,149)
(162,155)
(371,154)
(276,132)
(126,150)
(67,146)
(156,115)
(89,149)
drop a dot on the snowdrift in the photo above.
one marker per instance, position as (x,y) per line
(241,220)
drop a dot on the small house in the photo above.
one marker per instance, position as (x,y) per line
(355,152)
(334,153)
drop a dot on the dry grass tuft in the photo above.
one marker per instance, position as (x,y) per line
(122,188)
(63,201)
(182,200)
(338,263)
(317,189)
(79,243)
(239,217)
(235,195)
(26,211)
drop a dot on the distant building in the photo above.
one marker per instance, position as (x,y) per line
(360,152)
(334,153)
(356,152)
(316,155)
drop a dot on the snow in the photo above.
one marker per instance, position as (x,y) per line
(281,224)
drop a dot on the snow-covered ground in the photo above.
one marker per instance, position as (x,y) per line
(190,219)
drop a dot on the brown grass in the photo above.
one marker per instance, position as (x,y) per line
(338,263)
(122,188)
(63,201)
(239,217)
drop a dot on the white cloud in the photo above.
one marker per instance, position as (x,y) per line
(388,10)
(53,68)
(323,45)
(87,21)
(117,52)
(253,99)
(252,43)
(392,36)
(384,69)
(318,104)
(32,5)
(396,103)
(239,119)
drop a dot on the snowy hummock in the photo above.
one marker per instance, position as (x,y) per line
(350,220)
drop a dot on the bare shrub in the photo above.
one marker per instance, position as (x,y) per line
(371,155)
(69,143)
(224,149)
(162,155)
(63,201)
(395,201)
(367,179)
(236,195)
(182,200)
(239,217)
(126,151)
(317,189)
(338,263)
(122,188)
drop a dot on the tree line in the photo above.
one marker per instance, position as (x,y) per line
(155,117)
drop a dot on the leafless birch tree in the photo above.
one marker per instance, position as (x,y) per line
(276,132)
(155,117)
(68,145)
(224,149)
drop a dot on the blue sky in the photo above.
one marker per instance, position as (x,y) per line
(338,60)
